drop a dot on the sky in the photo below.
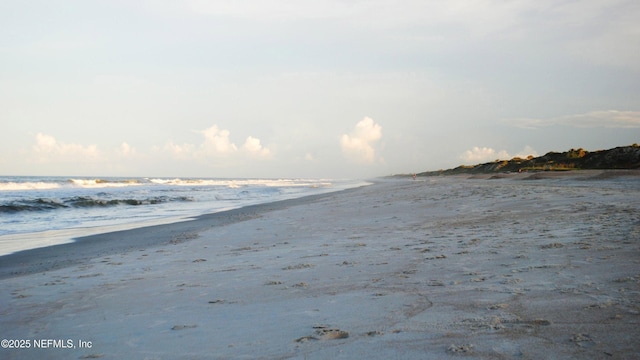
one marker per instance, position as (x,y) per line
(310,88)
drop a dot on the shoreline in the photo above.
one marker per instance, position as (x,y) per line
(82,249)
(43,211)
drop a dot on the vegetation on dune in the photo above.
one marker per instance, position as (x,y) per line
(624,157)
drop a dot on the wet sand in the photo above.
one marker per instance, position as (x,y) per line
(523,266)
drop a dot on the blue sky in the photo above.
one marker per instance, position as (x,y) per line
(310,88)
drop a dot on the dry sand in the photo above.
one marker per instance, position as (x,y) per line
(518,266)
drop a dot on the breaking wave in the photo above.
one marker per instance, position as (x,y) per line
(237,183)
(32,204)
(99,183)
(19,186)
(40,204)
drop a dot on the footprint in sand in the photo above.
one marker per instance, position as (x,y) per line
(435,283)
(324,333)
(182,327)
(92,356)
(297,267)
(306,338)
(552,246)
(332,334)
(467,348)
(89,275)
(582,340)
(497,306)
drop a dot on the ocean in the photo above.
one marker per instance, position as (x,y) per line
(44,211)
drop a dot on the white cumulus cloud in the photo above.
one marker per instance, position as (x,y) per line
(253,147)
(183,151)
(486,154)
(358,146)
(482,154)
(217,142)
(126,150)
(47,148)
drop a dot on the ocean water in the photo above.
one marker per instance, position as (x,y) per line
(44,211)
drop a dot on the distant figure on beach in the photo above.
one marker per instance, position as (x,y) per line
(414,176)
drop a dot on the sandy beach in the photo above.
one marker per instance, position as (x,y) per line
(509,266)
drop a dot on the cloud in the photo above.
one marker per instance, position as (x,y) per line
(593,119)
(217,144)
(253,147)
(485,154)
(126,150)
(527,151)
(184,151)
(48,149)
(358,147)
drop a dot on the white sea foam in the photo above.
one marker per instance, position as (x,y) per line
(19,186)
(13,243)
(100,183)
(236,183)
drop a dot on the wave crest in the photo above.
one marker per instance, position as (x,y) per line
(83,202)
(19,186)
(100,183)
